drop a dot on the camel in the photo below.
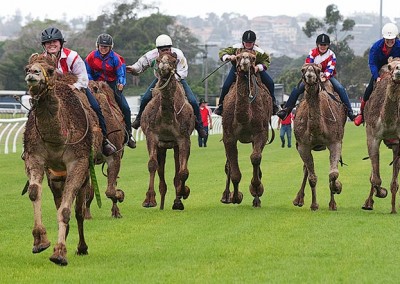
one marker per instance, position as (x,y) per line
(56,143)
(116,134)
(319,124)
(382,120)
(246,113)
(168,121)
(60,134)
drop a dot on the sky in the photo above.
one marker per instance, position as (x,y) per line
(92,8)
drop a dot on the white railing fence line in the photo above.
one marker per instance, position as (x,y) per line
(11,131)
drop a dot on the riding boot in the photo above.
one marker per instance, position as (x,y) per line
(283,113)
(200,129)
(218,110)
(108,147)
(351,115)
(360,117)
(275,107)
(131,141)
(136,123)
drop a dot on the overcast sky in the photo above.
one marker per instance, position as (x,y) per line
(74,8)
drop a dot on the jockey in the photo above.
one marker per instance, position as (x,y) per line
(327,58)
(381,50)
(262,64)
(69,61)
(104,64)
(164,43)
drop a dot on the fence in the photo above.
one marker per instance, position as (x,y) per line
(11,130)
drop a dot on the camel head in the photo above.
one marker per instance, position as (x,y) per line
(166,64)
(394,69)
(245,60)
(311,73)
(39,71)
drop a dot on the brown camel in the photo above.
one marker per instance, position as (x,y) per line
(168,121)
(57,142)
(116,134)
(382,120)
(246,113)
(319,123)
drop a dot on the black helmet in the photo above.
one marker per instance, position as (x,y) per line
(249,36)
(104,39)
(50,34)
(323,39)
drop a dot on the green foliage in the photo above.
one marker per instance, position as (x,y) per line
(210,242)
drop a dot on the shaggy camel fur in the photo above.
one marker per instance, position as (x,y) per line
(116,134)
(60,132)
(56,143)
(382,120)
(168,121)
(246,113)
(319,123)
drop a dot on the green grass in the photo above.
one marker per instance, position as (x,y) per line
(211,242)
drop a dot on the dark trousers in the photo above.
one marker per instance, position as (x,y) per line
(189,94)
(265,79)
(338,88)
(123,105)
(96,107)
(203,141)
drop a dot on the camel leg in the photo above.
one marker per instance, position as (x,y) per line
(152,166)
(181,156)
(161,156)
(73,185)
(235,174)
(299,200)
(89,199)
(308,160)
(114,194)
(375,179)
(226,194)
(80,209)
(335,185)
(35,174)
(256,187)
(394,185)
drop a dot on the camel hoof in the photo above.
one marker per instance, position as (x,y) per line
(186,193)
(335,186)
(381,192)
(298,201)
(148,204)
(40,248)
(226,197)
(256,202)
(178,206)
(119,195)
(59,260)
(368,205)
(238,199)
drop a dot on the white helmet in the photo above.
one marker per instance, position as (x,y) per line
(390,31)
(163,40)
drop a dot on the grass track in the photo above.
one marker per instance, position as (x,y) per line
(210,242)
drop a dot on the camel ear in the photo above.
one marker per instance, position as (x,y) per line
(33,57)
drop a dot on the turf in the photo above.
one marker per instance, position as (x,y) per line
(211,242)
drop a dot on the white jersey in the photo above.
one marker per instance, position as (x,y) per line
(149,60)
